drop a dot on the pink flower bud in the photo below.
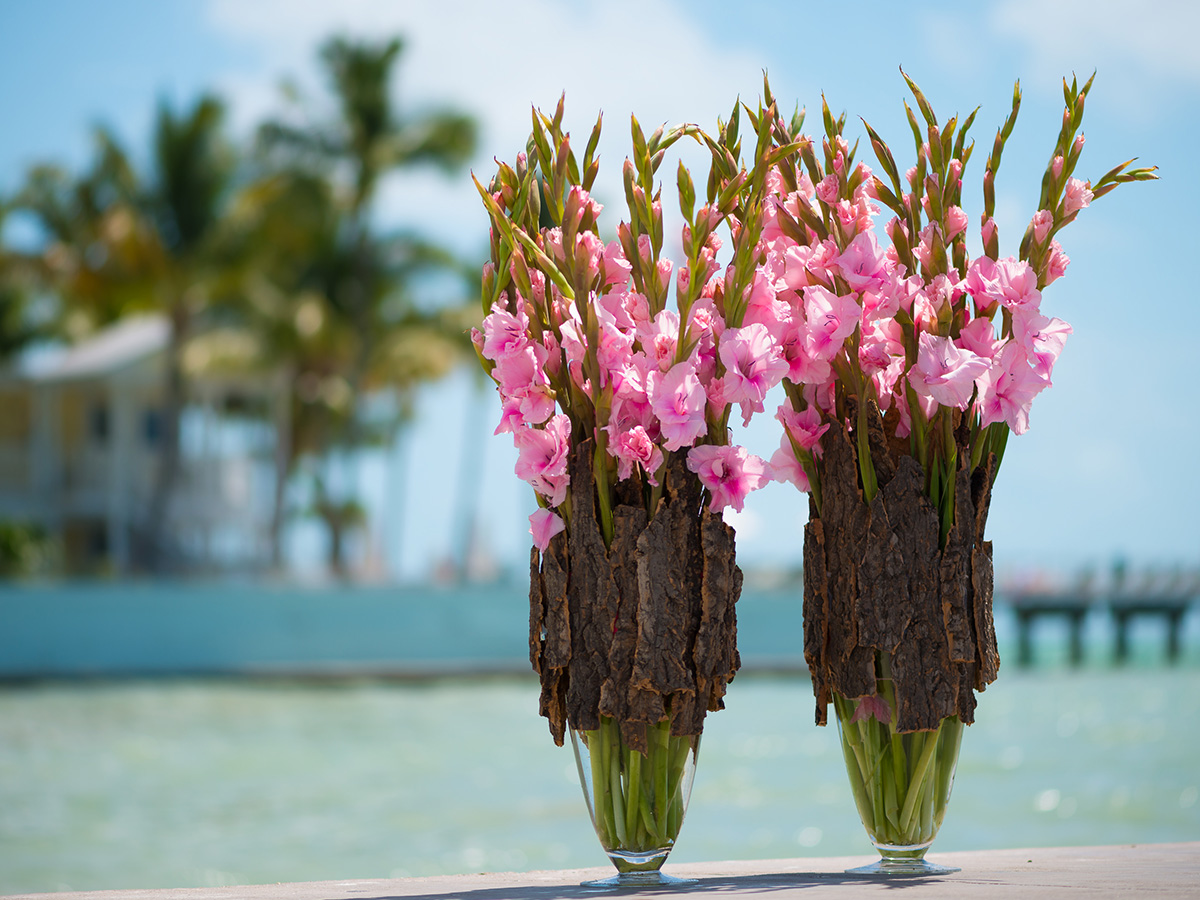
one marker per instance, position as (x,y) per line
(1043,219)
(956,222)
(683,278)
(1056,167)
(645,250)
(664,273)
(988,230)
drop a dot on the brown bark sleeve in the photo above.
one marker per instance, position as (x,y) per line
(643,630)
(877,580)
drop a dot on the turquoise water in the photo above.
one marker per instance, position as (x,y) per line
(174,783)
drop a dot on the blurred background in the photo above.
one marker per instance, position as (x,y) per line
(262,559)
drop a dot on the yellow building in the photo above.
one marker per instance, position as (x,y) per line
(79,448)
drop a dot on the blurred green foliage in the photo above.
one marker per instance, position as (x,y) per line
(265,259)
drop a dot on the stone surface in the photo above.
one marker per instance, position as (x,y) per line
(1158,871)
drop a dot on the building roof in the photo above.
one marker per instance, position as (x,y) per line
(122,344)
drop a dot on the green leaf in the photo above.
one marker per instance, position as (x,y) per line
(926,109)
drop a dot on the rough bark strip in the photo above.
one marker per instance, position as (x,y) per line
(629,522)
(876,580)
(592,599)
(537,610)
(556,653)
(955,575)
(851,666)
(988,660)
(716,657)
(816,613)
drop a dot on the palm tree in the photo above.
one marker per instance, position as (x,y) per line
(352,329)
(18,280)
(119,242)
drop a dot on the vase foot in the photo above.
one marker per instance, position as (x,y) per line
(907,867)
(637,880)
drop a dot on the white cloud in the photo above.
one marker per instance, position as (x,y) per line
(621,56)
(1155,38)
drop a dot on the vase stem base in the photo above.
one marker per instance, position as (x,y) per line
(638,880)
(886,868)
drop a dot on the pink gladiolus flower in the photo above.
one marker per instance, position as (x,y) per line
(861,263)
(615,304)
(634,447)
(1056,263)
(729,473)
(526,406)
(1077,196)
(803,367)
(1007,389)
(923,251)
(873,706)
(705,325)
(521,368)
(1041,337)
(983,283)
(979,336)
(831,319)
(785,467)
(542,458)
(614,345)
(1018,284)
(882,343)
(945,373)
(804,427)
(660,338)
(678,400)
(503,333)
(753,365)
(543,525)
(616,266)
(828,189)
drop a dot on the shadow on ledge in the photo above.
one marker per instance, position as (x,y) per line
(740,884)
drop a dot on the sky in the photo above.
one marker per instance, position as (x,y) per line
(1108,468)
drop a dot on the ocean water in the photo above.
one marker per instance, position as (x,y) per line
(185,781)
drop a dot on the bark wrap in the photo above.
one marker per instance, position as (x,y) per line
(876,580)
(644,630)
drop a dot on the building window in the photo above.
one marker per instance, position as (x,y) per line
(152,427)
(98,423)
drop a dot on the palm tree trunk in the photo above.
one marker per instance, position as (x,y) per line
(158,541)
(285,463)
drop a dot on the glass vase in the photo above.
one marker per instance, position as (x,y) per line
(901,782)
(637,801)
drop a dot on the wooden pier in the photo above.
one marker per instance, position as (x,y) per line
(1153,596)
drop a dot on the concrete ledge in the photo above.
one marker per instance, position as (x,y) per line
(1160,871)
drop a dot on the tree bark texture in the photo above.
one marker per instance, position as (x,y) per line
(641,631)
(876,581)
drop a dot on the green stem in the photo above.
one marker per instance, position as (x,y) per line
(928,744)
(637,799)
(866,466)
(633,800)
